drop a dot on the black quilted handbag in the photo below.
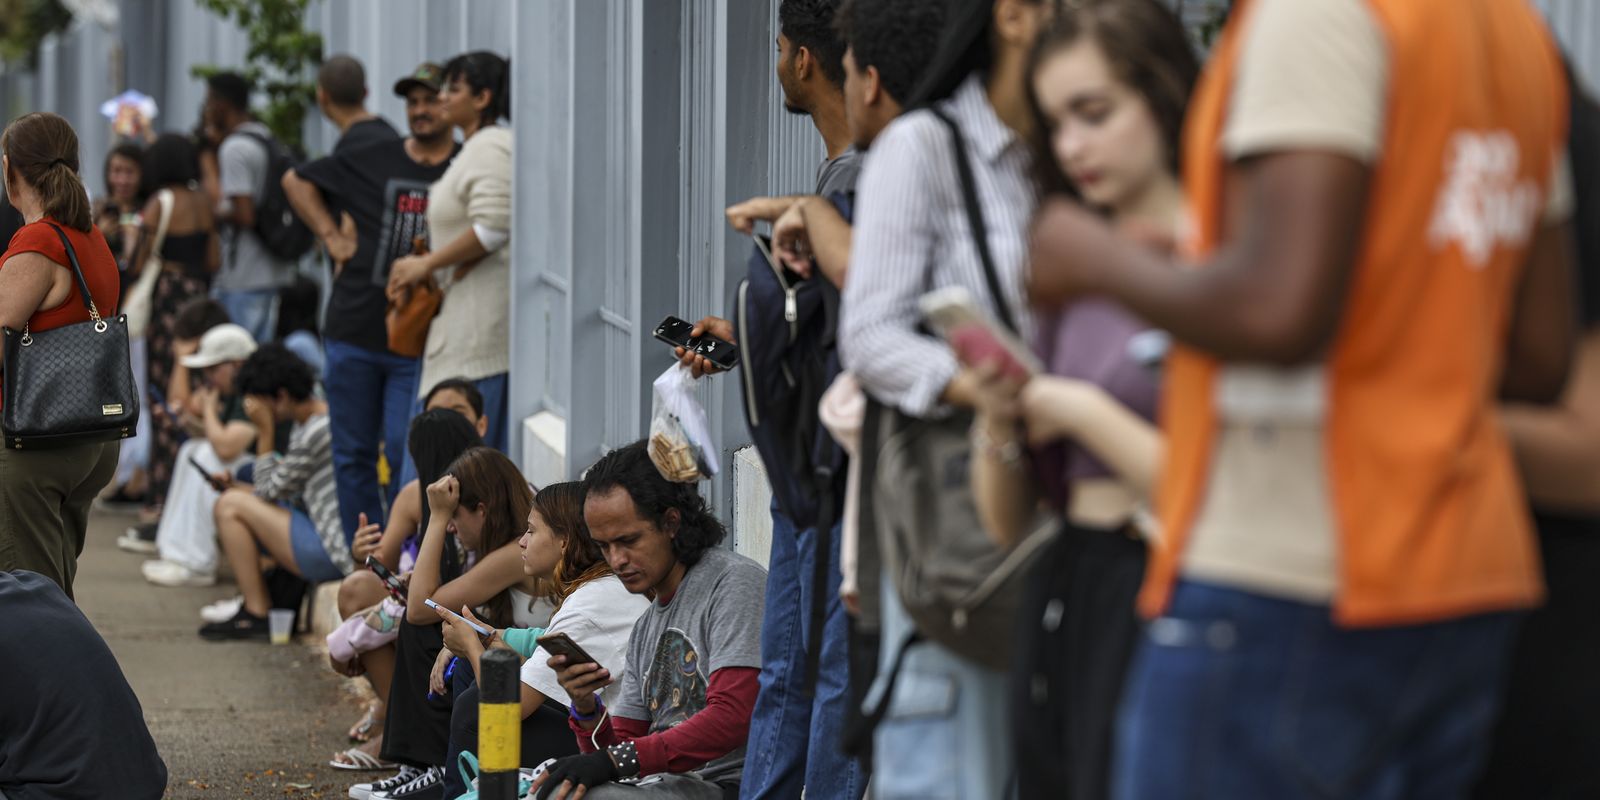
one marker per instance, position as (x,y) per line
(69,385)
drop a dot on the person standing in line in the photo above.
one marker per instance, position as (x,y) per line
(117,216)
(380,191)
(1109,80)
(912,235)
(342,98)
(469,220)
(1380,255)
(190,255)
(45,494)
(1549,728)
(251,275)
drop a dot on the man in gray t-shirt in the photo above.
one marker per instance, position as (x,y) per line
(690,680)
(251,276)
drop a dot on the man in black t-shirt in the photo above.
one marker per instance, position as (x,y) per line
(379,195)
(342,98)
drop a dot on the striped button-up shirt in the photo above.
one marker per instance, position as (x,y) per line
(912,236)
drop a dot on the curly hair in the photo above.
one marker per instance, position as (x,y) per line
(272,368)
(630,469)
(897,38)
(560,505)
(809,24)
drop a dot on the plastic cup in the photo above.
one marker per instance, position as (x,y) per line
(280,622)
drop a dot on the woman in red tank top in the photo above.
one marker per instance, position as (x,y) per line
(45,494)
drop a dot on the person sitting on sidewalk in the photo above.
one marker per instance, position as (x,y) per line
(186,537)
(690,677)
(593,609)
(292,513)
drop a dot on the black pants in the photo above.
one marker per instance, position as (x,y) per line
(1079,631)
(1549,731)
(416,730)
(544,735)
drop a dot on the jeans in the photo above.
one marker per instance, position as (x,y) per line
(795,733)
(255,310)
(947,735)
(369,401)
(1235,695)
(493,389)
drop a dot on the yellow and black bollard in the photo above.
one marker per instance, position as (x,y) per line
(499,724)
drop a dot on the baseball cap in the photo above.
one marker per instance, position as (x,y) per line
(428,75)
(226,342)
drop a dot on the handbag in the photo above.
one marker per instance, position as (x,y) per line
(409,316)
(69,385)
(139,305)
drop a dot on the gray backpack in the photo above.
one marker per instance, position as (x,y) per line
(960,588)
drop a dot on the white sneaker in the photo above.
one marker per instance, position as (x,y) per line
(363,791)
(167,573)
(131,541)
(222,610)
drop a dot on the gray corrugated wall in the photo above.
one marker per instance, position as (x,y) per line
(1576,24)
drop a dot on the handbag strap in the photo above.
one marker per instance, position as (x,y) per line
(77,272)
(167,200)
(980,231)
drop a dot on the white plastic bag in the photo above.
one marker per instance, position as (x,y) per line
(680,438)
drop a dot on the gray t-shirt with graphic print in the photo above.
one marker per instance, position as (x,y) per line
(713,622)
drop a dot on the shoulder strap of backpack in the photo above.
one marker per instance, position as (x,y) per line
(980,231)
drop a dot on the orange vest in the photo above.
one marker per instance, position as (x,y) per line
(1429,512)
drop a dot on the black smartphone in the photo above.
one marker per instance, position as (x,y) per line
(724,354)
(210,479)
(397,590)
(675,332)
(560,644)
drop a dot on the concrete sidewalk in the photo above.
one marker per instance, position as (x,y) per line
(233,719)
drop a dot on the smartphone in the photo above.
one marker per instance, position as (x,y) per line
(397,590)
(210,479)
(560,644)
(973,335)
(482,631)
(675,332)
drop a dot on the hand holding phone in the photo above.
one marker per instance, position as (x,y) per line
(722,354)
(560,644)
(395,587)
(212,480)
(457,618)
(973,336)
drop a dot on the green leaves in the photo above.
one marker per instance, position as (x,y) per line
(25,23)
(281,57)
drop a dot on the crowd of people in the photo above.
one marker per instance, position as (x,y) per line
(1139,425)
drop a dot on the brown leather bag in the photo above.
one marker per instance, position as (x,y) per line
(409,316)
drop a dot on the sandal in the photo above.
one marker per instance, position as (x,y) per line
(359,760)
(362,732)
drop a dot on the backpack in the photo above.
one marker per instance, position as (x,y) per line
(787,327)
(280,229)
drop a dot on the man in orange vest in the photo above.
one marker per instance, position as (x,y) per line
(1379,253)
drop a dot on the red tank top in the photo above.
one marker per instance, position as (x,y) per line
(94,256)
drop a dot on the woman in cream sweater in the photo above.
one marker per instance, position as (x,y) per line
(469,222)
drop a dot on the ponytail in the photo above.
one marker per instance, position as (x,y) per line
(42,150)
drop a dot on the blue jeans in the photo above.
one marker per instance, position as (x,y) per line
(947,735)
(1235,695)
(795,734)
(256,310)
(493,389)
(369,400)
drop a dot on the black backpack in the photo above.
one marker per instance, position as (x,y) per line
(280,229)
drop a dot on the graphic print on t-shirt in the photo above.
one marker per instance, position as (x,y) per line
(674,687)
(405,217)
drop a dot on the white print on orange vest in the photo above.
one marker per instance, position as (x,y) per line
(1481,203)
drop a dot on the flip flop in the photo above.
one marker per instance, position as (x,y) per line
(360,761)
(362,732)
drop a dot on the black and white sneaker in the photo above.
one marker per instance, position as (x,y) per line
(363,791)
(427,785)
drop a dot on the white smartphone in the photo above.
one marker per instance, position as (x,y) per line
(482,631)
(953,315)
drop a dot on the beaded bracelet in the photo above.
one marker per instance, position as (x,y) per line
(599,708)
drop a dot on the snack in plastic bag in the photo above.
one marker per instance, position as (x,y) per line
(680,439)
